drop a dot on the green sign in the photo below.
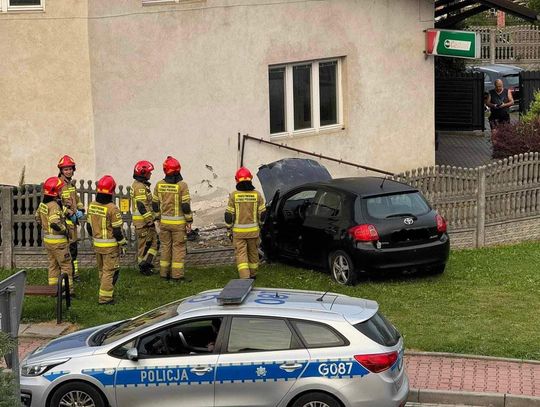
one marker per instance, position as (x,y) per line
(452,43)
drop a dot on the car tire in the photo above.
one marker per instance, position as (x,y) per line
(342,268)
(77,394)
(316,399)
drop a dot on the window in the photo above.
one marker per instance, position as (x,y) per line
(295,207)
(318,335)
(378,329)
(249,334)
(187,338)
(21,5)
(305,97)
(328,204)
(388,206)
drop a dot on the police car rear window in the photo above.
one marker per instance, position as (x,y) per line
(380,330)
(317,335)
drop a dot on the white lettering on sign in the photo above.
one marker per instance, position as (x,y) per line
(164,376)
(457,45)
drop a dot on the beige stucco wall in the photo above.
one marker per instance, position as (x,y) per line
(184,79)
(45,103)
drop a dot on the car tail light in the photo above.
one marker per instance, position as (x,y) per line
(441,224)
(378,362)
(364,233)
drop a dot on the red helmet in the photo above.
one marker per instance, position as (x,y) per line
(171,166)
(143,169)
(243,174)
(52,186)
(106,185)
(66,161)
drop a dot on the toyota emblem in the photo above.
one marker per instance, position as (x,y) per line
(408,221)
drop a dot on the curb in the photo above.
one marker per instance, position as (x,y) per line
(468,398)
(466,356)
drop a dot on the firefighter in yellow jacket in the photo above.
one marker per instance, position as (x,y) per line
(244,214)
(143,217)
(104,223)
(50,216)
(73,206)
(171,203)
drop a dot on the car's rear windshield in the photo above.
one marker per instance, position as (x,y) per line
(395,205)
(511,80)
(380,330)
(130,326)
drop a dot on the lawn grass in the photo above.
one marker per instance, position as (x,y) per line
(487,302)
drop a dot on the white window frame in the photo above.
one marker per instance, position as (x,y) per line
(316,127)
(5,6)
(157,2)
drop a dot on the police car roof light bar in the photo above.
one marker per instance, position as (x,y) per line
(235,292)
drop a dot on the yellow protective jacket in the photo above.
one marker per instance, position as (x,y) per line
(244,213)
(51,217)
(70,199)
(103,218)
(174,203)
(141,204)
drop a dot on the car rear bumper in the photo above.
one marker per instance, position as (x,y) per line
(369,258)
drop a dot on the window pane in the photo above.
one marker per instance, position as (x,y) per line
(24,2)
(302,96)
(277,100)
(329,204)
(259,334)
(328,92)
(317,335)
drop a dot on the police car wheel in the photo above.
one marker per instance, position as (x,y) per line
(77,394)
(316,399)
(342,268)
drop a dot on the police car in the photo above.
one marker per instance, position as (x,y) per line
(240,346)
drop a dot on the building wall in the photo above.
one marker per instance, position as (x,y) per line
(45,103)
(183,79)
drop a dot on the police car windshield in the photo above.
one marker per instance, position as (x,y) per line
(137,324)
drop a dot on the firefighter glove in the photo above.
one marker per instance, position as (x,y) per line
(73,218)
(79,214)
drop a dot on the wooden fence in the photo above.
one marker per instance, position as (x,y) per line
(493,204)
(518,45)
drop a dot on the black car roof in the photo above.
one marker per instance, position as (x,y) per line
(365,186)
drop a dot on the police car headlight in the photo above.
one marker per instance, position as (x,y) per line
(37,369)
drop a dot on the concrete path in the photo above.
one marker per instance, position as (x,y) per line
(466,149)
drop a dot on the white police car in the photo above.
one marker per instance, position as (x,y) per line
(235,347)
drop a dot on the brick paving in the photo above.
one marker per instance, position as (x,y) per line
(466,150)
(473,375)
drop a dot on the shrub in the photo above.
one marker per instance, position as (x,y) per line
(516,138)
(8,398)
(534,110)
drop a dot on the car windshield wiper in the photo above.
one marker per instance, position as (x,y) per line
(399,215)
(102,335)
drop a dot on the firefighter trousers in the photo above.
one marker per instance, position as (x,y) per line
(172,250)
(108,262)
(247,256)
(146,244)
(59,262)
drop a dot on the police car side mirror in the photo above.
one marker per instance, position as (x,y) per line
(132,354)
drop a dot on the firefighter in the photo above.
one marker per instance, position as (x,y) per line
(244,214)
(73,206)
(143,217)
(104,223)
(50,216)
(171,203)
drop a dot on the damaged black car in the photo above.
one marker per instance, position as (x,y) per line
(349,225)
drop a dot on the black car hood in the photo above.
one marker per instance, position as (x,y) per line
(289,173)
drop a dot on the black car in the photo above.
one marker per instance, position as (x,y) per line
(352,225)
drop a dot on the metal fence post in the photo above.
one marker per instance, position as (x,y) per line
(481,207)
(6,214)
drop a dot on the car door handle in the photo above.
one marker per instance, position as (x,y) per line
(201,370)
(291,367)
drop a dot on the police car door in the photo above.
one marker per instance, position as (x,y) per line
(176,364)
(261,358)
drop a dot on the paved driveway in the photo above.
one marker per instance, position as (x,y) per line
(463,149)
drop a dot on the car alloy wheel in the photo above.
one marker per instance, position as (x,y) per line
(316,404)
(342,268)
(76,398)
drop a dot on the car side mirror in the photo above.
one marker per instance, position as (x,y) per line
(132,354)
